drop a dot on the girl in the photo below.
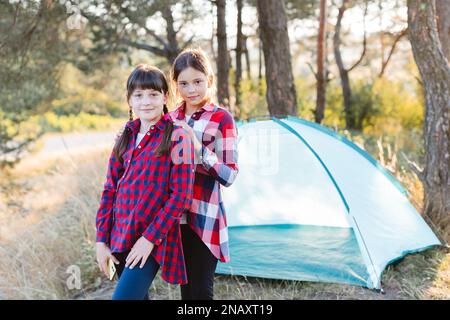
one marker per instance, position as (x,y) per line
(149,184)
(213,133)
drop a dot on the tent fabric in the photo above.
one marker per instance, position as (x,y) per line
(308,204)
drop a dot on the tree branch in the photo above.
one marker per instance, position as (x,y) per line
(143,46)
(312,70)
(391,52)
(188,42)
(364,41)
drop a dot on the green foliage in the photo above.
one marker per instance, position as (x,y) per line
(30,53)
(253,99)
(381,107)
(400,107)
(301,9)
(51,122)
(306,98)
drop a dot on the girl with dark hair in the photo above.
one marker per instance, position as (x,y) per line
(149,185)
(213,133)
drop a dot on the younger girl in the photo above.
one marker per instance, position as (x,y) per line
(148,186)
(213,133)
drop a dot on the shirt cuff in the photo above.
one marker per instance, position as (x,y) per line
(153,237)
(209,158)
(102,237)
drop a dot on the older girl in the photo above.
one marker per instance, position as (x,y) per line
(213,133)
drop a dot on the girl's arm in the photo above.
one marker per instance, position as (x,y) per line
(105,212)
(181,184)
(222,165)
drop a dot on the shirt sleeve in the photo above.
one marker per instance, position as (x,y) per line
(181,184)
(222,164)
(104,216)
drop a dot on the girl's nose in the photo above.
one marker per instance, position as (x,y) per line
(146,100)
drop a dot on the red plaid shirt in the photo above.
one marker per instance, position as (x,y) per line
(217,165)
(146,195)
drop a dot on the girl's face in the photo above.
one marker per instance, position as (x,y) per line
(193,86)
(147,104)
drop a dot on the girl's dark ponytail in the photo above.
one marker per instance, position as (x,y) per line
(164,147)
(122,142)
(130,112)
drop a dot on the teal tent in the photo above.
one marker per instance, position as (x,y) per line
(310,205)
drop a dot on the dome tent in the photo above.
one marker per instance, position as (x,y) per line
(310,205)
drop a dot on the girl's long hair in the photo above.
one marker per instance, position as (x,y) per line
(145,77)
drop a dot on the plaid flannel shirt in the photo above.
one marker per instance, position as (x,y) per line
(146,195)
(215,166)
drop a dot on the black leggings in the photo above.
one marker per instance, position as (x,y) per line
(200,266)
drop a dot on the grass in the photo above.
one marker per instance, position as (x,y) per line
(48,213)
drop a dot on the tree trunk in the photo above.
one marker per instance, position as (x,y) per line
(435,74)
(321,68)
(260,66)
(213,34)
(239,40)
(222,56)
(281,96)
(343,72)
(247,59)
(382,42)
(443,20)
(172,49)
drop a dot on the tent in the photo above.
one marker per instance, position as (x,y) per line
(310,205)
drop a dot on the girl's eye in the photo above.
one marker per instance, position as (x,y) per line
(137,95)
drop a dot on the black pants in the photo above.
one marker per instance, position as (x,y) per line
(200,266)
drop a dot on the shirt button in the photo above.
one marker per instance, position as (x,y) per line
(152,127)
(139,147)
(148,133)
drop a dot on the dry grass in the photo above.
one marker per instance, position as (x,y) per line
(48,212)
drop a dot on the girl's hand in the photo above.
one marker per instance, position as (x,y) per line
(103,254)
(190,131)
(140,251)
(186,127)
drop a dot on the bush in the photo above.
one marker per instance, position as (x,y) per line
(51,122)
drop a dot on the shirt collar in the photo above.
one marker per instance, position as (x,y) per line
(135,125)
(181,109)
